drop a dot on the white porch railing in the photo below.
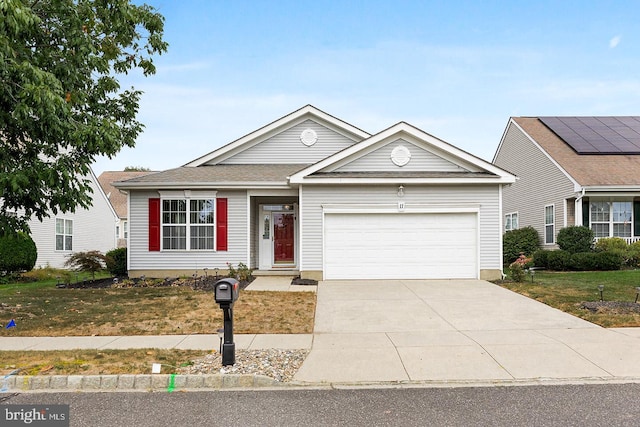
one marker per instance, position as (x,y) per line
(629,240)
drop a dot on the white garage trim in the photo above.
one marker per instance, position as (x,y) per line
(352,249)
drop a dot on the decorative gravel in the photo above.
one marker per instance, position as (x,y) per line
(620,307)
(280,365)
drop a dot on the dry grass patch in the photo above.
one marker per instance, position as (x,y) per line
(95,362)
(47,311)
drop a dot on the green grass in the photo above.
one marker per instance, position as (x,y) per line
(568,290)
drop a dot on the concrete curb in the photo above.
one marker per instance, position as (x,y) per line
(128,382)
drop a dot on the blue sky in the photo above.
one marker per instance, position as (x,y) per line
(456,69)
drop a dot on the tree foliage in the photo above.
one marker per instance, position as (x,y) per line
(18,252)
(90,262)
(61,101)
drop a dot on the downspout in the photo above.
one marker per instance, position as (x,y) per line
(578,204)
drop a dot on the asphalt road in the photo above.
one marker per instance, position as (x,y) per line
(563,405)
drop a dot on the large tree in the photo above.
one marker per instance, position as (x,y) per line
(61,104)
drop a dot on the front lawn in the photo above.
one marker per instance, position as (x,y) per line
(41,309)
(568,290)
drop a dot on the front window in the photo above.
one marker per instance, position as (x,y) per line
(64,234)
(611,219)
(511,221)
(549,224)
(188,224)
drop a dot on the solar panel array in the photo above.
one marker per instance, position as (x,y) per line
(597,135)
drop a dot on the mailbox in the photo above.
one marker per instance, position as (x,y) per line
(227,291)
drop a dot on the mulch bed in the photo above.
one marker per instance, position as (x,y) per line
(205,283)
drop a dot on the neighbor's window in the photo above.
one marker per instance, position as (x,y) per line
(188,224)
(622,219)
(511,221)
(64,234)
(549,224)
(125,227)
(600,218)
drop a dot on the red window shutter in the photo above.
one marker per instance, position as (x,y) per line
(221,224)
(154,224)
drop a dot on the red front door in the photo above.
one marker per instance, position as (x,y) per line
(283,238)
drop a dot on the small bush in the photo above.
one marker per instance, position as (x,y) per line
(516,272)
(18,252)
(575,239)
(609,261)
(558,260)
(89,262)
(584,261)
(520,241)
(117,261)
(541,258)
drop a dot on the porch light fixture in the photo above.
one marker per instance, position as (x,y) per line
(401,191)
(601,288)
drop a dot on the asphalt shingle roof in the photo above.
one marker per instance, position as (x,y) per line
(586,169)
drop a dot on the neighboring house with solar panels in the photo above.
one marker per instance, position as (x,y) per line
(118,200)
(572,171)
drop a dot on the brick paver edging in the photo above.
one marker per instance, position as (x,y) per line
(142,382)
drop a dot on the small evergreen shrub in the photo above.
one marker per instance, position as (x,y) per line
(18,252)
(575,239)
(584,261)
(117,262)
(558,260)
(541,258)
(522,241)
(609,261)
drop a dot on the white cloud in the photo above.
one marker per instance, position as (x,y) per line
(614,42)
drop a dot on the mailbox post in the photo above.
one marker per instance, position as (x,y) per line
(226,293)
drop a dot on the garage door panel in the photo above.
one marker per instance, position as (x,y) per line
(407,246)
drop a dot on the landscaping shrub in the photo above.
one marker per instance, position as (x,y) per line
(18,252)
(541,258)
(517,268)
(117,261)
(630,254)
(520,241)
(584,261)
(609,261)
(558,260)
(90,262)
(575,239)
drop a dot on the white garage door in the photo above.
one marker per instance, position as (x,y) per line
(401,246)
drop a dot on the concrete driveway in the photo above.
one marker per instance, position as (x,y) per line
(456,330)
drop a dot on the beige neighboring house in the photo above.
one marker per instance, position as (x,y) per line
(119,200)
(572,171)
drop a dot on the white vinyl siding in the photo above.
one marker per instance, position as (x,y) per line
(486,196)
(380,160)
(93,229)
(286,147)
(529,194)
(549,225)
(237,237)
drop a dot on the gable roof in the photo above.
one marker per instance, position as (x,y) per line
(304,113)
(589,170)
(478,170)
(116,198)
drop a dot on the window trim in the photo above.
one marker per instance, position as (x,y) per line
(511,215)
(551,224)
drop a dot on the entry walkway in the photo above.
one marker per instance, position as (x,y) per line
(460,331)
